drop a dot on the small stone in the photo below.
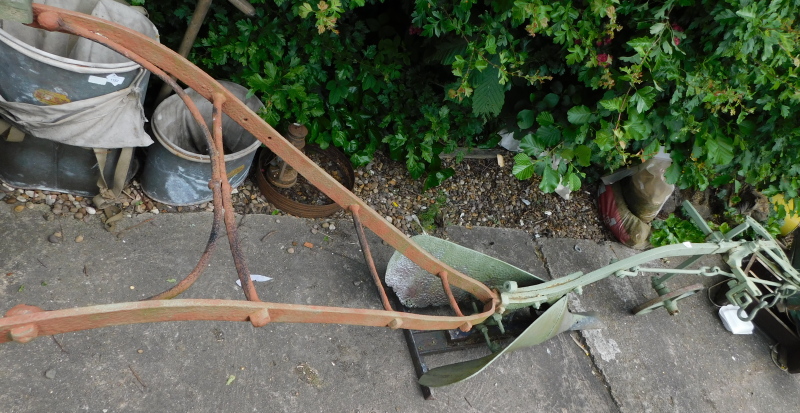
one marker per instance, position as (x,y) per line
(388,218)
(11,200)
(78,215)
(140,351)
(325,225)
(155,211)
(331,227)
(19,208)
(308,244)
(290,250)
(314,230)
(133,288)
(90,210)
(30,194)
(79,238)
(49,216)
(55,238)
(50,374)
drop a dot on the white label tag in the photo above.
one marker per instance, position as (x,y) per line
(97,80)
(115,80)
(112,78)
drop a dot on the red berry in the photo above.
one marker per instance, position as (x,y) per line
(602,58)
(677,27)
(676,40)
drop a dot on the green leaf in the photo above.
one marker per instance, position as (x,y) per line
(614,104)
(657,28)
(545,119)
(523,167)
(573,181)
(604,140)
(583,154)
(549,136)
(550,179)
(525,119)
(530,145)
(720,149)
(550,100)
(491,44)
(579,115)
(673,173)
(636,127)
(338,91)
(304,10)
(339,138)
(415,168)
(644,98)
(435,179)
(489,95)
(641,44)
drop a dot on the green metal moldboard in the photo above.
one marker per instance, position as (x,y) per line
(416,287)
(554,321)
(16,10)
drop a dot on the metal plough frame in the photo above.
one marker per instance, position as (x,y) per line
(24,323)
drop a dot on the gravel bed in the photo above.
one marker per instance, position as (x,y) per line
(481,193)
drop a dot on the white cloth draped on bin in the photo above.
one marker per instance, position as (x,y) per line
(91,106)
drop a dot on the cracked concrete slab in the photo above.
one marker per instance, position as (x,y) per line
(652,363)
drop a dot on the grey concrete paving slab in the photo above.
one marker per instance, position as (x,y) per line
(215,366)
(661,363)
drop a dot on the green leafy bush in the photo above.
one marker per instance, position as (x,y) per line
(586,86)
(713,81)
(675,230)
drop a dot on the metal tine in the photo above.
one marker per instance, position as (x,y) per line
(221,179)
(362,239)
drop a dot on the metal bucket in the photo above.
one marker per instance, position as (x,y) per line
(177,168)
(42,164)
(44,68)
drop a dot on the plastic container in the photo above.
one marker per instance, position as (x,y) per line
(730,320)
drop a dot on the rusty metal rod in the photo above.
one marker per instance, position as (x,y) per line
(362,239)
(218,152)
(31,323)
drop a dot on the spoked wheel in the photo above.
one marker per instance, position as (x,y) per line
(673,296)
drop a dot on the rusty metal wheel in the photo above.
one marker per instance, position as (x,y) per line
(342,172)
(673,296)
